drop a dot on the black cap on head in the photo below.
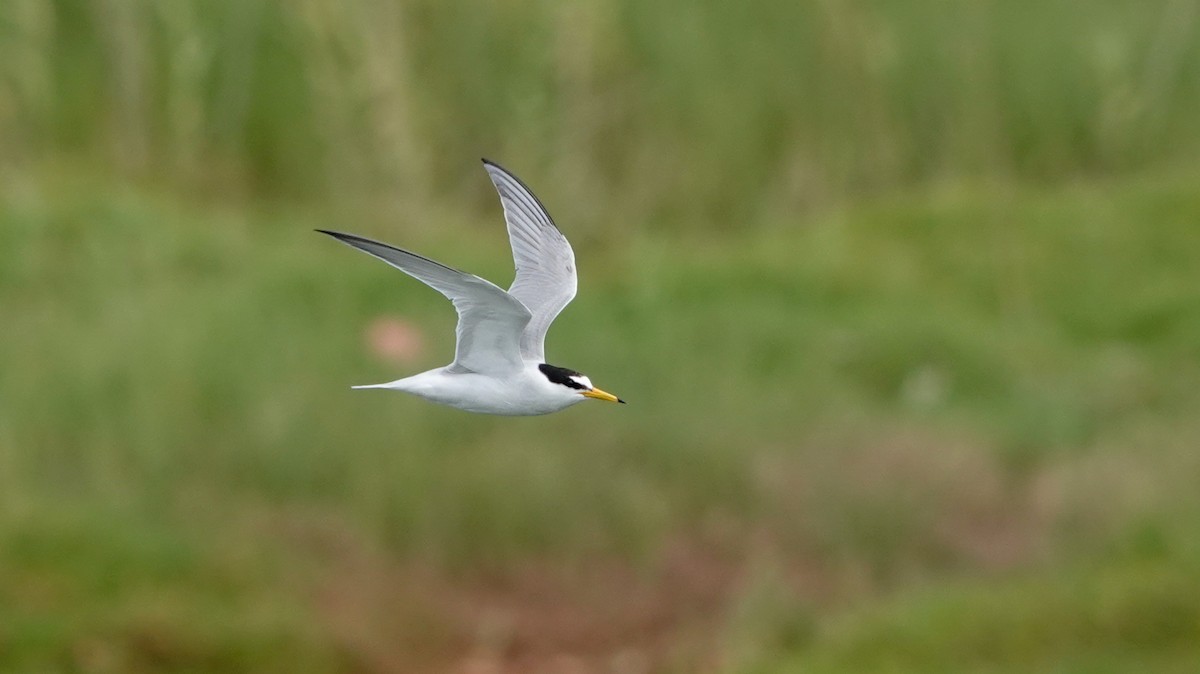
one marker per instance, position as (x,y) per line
(562,375)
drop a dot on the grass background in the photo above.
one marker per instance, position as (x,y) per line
(903,295)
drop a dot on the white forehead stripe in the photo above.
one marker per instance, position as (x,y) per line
(587,383)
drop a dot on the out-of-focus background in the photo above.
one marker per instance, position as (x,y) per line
(904,295)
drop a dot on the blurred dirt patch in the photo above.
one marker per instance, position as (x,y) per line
(586,616)
(836,522)
(395,340)
(879,510)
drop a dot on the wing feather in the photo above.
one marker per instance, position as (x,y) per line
(546,280)
(490,320)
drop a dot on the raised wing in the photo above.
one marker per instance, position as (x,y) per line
(490,321)
(545,280)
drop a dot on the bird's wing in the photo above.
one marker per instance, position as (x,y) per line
(490,321)
(545,280)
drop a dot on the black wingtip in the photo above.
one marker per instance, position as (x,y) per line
(342,236)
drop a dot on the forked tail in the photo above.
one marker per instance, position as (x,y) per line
(387,385)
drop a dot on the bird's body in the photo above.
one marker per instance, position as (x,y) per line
(499,364)
(524,393)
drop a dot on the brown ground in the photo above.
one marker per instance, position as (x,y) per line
(676,610)
(597,616)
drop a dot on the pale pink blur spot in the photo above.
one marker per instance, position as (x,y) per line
(395,340)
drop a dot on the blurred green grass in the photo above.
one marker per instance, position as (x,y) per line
(903,295)
(890,398)
(789,107)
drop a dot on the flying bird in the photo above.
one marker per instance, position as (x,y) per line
(499,360)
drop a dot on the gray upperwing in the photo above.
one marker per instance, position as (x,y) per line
(491,322)
(546,280)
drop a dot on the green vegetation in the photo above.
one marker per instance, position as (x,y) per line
(904,297)
(803,104)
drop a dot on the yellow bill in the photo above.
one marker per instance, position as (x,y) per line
(602,395)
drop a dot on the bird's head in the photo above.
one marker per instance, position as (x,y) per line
(575,383)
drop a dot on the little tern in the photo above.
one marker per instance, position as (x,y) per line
(499,360)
